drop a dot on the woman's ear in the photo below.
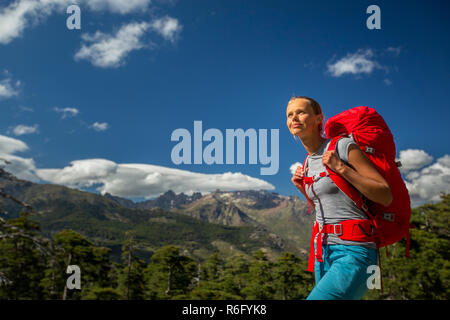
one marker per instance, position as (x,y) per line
(319,119)
(321,124)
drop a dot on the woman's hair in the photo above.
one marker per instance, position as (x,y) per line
(316,108)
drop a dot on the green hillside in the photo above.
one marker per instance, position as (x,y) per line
(105,222)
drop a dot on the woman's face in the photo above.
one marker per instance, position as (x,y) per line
(301,120)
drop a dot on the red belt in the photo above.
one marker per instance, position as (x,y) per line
(352,230)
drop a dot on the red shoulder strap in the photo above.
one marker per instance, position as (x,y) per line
(306,181)
(304,163)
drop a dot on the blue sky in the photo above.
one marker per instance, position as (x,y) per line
(137,70)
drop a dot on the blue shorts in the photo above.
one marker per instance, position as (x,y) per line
(343,273)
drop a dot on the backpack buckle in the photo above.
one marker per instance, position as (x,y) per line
(319,176)
(389,217)
(370,150)
(365,207)
(337,229)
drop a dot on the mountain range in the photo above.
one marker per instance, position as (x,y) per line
(228,222)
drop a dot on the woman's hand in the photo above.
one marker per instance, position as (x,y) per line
(332,161)
(297,178)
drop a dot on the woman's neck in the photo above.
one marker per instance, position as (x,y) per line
(312,143)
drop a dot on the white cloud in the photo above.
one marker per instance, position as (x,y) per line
(97,126)
(8,88)
(67,112)
(22,129)
(144,180)
(360,62)
(167,27)
(387,82)
(413,159)
(109,51)
(23,168)
(293,167)
(425,186)
(80,173)
(101,49)
(124,180)
(20,14)
(13,19)
(10,145)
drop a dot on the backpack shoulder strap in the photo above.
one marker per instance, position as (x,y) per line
(307,181)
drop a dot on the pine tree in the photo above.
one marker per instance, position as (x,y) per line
(236,275)
(170,274)
(71,248)
(23,258)
(132,280)
(260,285)
(291,279)
(210,285)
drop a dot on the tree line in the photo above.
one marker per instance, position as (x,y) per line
(34,267)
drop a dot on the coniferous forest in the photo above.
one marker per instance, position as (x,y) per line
(33,266)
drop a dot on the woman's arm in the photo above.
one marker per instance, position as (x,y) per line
(363,176)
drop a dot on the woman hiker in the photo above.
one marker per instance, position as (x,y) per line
(341,272)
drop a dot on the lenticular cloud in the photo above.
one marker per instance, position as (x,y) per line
(144,180)
(132,180)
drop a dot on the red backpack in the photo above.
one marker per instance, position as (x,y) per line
(389,224)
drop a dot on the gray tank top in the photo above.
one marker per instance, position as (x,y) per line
(332,205)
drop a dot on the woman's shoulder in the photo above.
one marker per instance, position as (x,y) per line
(342,147)
(346,140)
